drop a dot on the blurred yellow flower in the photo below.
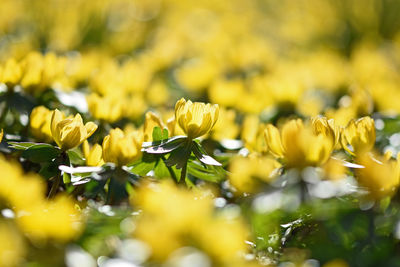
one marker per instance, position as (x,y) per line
(226,92)
(379,175)
(40,120)
(321,125)
(93,154)
(120,148)
(359,134)
(11,73)
(37,217)
(196,119)
(157,94)
(56,219)
(151,120)
(1,135)
(246,174)
(334,169)
(12,246)
(107,108)
(69,133)
(226,127)
(191,221)
(253,134)
(196,74)
(298,145)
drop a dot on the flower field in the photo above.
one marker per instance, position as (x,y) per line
(173,133)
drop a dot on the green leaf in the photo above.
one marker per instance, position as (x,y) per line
(199,152)
(179,156)
(66,178)
(22,145)
(170,145)
(41,153)
(75,158)
(209,173)
(142,168)
(159,134)
(162,171)
(49,169)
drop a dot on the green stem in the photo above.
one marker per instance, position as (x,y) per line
(54,186)
(4,113)
(183,174)
(171,172)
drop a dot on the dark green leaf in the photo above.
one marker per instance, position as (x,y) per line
(49,169)
(75,158)
(41,153)
(22,145)
(179,156)
(199,152)
(209,173)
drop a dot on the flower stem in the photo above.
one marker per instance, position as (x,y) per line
(171,172)
(182,180)
(54,186)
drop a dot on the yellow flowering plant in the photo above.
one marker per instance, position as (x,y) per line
(195,119)
(229,178)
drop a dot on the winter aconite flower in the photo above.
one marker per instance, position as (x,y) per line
(360,135)
(120,148)
(93,154)
(379,175)
(70,132)
(39,122)
(196,119)
(298,145)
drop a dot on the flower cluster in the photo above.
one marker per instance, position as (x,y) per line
(207,133)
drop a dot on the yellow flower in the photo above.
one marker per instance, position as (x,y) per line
(246,174)
(360,134)
(40,120)
(196,119)
(1,135)
(69,133)
(57,219)
(298,145)
(379,175)
(107,108)
(12,246)
(120,148)
(151,120)
(93,155)
(334,169)
(192,222)
(226,127)
(157,94)
(321,125)
(11,73)
(226,92)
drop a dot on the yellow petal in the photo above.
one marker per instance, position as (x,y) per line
(273,140)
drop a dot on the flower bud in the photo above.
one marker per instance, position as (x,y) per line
(120,148)
(360,135)
(93,154)
(71,132)
(40,120)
